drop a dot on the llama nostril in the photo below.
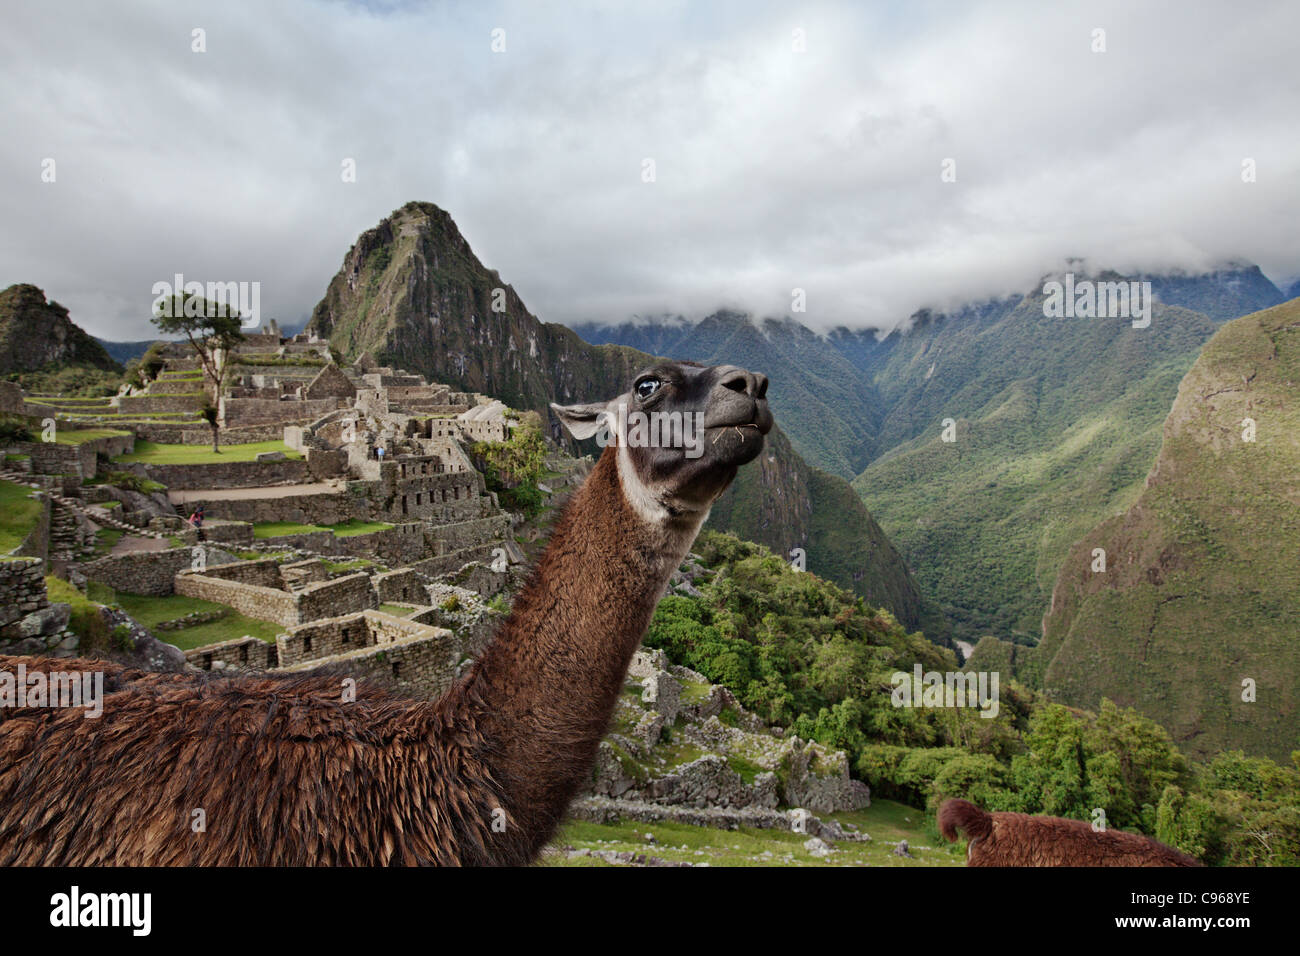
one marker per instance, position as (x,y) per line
(738,382)
(761,391)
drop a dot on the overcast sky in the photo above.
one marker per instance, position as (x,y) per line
(774,168)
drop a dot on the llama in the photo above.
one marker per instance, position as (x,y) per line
(280,770)
(1018,839)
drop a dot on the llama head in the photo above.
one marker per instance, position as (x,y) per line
(680,433)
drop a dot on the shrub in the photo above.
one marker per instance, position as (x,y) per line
(14,430)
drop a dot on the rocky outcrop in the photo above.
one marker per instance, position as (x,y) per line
(35,334)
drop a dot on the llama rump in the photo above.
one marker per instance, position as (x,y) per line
(1019,839)
(279,769)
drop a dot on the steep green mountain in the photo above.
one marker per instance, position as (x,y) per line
(784,503)
(43,349)
(125,351)
(412,292)
(1199,591)
(1056,423)
(830,411)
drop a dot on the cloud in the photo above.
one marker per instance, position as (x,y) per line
(774,169)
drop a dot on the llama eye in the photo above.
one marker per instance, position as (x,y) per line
(647,388)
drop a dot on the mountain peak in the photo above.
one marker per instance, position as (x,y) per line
(36,333)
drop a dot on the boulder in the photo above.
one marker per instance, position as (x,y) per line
(48,620)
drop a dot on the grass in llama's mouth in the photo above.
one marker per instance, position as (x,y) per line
(722,429)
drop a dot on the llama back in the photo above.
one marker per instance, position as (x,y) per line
(281,772)
(1020,839)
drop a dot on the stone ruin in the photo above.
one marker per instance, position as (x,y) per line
(439,545)
(744,774)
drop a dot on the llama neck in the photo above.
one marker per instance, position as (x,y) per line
(543,693)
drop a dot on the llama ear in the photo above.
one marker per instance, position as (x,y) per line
(582,421)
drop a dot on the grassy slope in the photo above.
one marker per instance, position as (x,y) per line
(842,541)
(19,513)
(79,436)
(1203,569)
(153,453)
(347,529)
(151,611)
(1040,455)
(885,821)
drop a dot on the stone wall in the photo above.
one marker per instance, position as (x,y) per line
(51,458)
(316,542)
(319,508)
(37,542)
(330,382)
(324,638)
(144,405)
(22,591)
(202,435)
(148,572)
(323,463)
(491,430)
(479,577)
(418,499)
(226,474)
(400,544)
(258,343)
(298,574)
(263,572)
(416,656)
(461,535)
(447,563)
(345,595)
(257,589)
(401,587)
(244,653)
(228,532)
(256,411)
(251,600)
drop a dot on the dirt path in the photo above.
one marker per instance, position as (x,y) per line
(129,543)
(247,494)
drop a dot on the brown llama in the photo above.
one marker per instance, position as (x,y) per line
(1019,839)
(281,770)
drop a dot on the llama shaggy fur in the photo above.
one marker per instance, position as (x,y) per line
(1019,839)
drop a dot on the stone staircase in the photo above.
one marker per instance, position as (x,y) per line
(93,513)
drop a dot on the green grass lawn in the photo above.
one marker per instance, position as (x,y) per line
(155,453)
(885,821)
(85,620)
(19,514)
(151,611)
(78,436)
(107,538)
(348,529)
(397,610)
